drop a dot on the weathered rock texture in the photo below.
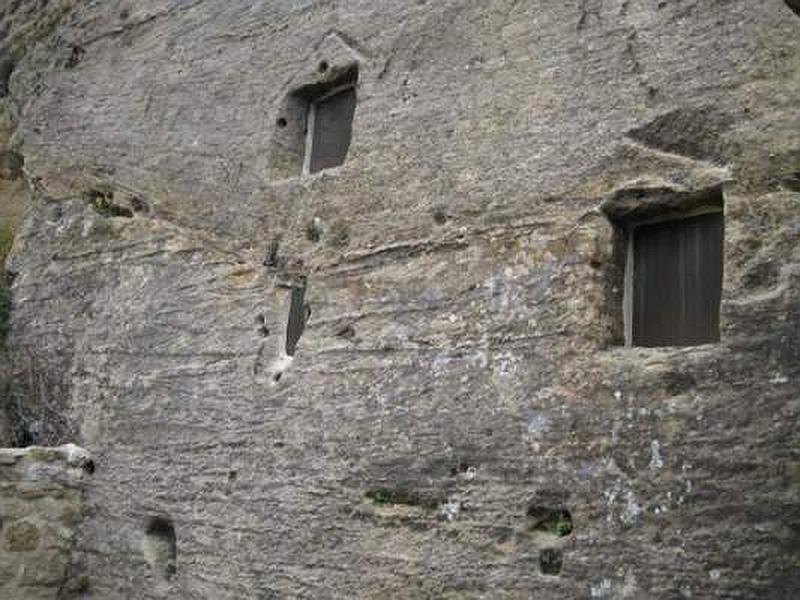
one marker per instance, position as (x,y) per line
(41,507)
(460,419)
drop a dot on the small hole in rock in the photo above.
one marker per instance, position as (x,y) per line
(261,321)
(281,122)
(6,68)
(322,66)
(232,475)
(271,259)
(550,561)
(103,203)
(347,332)
(556,521)
(439,216)
(313,231)
(11,164)
(277,377)
(88,466)
(75,56)
(138,205)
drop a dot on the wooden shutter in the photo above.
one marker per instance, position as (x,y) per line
(677,281)
(331,129)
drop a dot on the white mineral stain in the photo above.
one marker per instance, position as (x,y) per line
(656,462)
(629,586)
(281,364)
(601,590)
(450,510)
(779,379)
(632,509)
(538,423)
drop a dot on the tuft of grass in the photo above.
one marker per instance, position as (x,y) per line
(563,525)
(555,521)
(405,496)
(382,497)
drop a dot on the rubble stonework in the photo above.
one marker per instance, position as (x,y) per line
(41,508)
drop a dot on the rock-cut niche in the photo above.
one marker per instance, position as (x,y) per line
(159,547)
(314,126)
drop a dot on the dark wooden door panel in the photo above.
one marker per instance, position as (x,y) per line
(677,281)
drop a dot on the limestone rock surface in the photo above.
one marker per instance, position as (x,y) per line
(461,418)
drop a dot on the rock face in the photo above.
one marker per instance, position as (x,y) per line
(41,507)
(405,376)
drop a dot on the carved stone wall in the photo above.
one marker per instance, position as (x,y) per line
(459,417)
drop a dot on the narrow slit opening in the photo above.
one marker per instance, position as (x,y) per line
(298,316)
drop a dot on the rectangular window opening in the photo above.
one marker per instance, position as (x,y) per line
(673,279)
(329,128)
(314,123)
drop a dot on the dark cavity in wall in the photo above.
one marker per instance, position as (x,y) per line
(139,206)
(550,561)
(299,313)
(272,258)
(314,230)
(11,164)
(75,55)
(6,69)
(406,496)
(794,5)
(555,521)
(102,201)
(261,322)
(159,547)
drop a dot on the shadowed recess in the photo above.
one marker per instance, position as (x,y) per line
(404,495)
(298,316)
(159,547)
(550,561)
(556,521)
